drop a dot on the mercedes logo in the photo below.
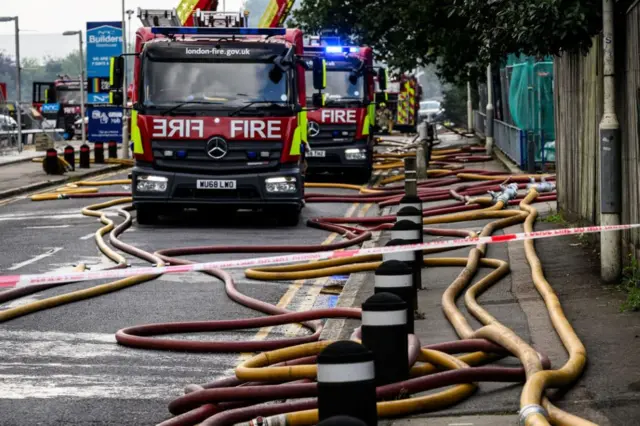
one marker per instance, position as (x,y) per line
(217,148)
(314,129)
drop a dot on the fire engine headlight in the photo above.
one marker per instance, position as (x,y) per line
(355,154)
(281,185)
(152,183)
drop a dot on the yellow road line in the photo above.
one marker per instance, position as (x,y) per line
(292,291)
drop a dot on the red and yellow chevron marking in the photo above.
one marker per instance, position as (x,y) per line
(186,9)
(411,94)
(403,117)
(276,13)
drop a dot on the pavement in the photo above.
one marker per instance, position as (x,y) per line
(19,174)
(606,394)
(28,153)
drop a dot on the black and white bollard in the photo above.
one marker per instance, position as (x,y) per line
(384,332)
(346,382)
(410,201)
(410,177)
(409,258)
(396,277)
(85,152)
(98,152)
(411,233)
(113,149)
(342,421)
(70,156)
(414,215)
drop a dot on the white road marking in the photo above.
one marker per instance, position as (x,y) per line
(76,215)
(92,365)
(47,227)
(35,259)
(88,236)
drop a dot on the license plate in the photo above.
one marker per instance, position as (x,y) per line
(216,184)
(316,153)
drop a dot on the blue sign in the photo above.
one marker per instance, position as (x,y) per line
(50,107)
(97,98)
(105,124)
(104,40)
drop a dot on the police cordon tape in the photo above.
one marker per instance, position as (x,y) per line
(10,281)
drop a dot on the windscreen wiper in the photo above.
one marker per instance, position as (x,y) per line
(181,104)
(270,103)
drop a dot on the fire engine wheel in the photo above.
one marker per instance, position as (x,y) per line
(146,214)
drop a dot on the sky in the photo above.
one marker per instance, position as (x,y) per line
(43,21)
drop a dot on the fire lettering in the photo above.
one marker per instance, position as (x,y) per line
(178,128)
(339,116)
(256,129)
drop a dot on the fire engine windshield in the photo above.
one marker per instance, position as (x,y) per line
(167,83)
(69,96)
(339,89)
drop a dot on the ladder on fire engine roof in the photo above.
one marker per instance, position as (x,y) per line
(216,19)
(159,17)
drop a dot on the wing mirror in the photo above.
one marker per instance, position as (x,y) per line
(382,79)
(317,100)
(319,73)
(281,64)
(116,72)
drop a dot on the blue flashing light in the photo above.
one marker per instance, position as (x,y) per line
(341,49)
(333,49)
(252,155)
(218,31)
(181,154)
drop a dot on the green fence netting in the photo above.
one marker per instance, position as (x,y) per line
(531,100)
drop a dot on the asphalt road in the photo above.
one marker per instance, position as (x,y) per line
(62,366)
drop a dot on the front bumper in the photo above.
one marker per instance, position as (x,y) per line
(250,191)
(335,157)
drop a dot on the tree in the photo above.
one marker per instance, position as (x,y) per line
(35,70)
(459,36)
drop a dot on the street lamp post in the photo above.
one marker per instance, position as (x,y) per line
(82,80)
(18,75)
(125,124)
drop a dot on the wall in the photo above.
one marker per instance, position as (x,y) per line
(578,110)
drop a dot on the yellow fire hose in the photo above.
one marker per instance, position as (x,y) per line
(98,290)
(258,368)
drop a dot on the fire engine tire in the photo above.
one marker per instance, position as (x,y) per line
(146,214)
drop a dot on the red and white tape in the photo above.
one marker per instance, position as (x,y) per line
(60,278)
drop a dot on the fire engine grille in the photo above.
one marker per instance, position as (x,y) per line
(191,156)
(333,134)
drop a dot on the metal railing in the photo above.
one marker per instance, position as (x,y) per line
(507,138)
(479,122)
(510,140)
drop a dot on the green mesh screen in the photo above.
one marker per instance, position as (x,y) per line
(531,97)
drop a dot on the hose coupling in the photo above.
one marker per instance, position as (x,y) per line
(541,187)
(530,409)
(509,192)
(279,420)
(494,196)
